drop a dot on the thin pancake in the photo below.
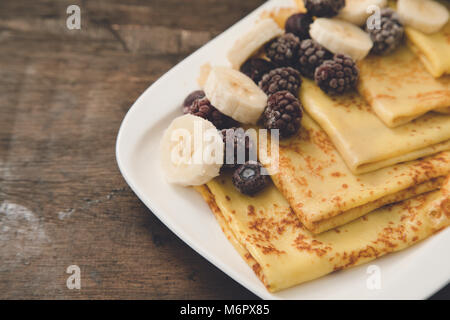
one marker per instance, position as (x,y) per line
(283,253)
(399,88)
(364,141)
(432,49)
(324,193)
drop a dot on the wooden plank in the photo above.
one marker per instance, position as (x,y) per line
(63,95)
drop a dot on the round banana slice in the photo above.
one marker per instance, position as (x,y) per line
(263,31)
(424,15)
(191,151)
(357,11)
(340,36)
(235,95)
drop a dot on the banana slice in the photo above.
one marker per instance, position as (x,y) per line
(340,36)
(424,15)
(263,31)
(235,95)
(191,151)
(355,11)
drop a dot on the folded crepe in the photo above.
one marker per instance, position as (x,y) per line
(432,49)
(399,88)
(324,193)
(363,141)
(282,253)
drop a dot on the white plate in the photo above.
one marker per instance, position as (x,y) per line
(415,273)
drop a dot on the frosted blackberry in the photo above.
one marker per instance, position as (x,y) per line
(338,75)
(240,143)
(324,8)
(249,178)
(198,94)
(283,112)
(283,50)
(281,79)
(204,109)
(255,68)
(298,24)
(310,56)
(390,34)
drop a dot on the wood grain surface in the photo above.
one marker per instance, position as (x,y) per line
(63,95)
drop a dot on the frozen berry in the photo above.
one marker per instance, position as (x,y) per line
(390,34)
(249,178)
(298,24)
(255,68)
(283,112)
(238,146)
(204,109)
(338,75)
(324,8)
(281,79)
(310,56)
(198,94)
(283,50)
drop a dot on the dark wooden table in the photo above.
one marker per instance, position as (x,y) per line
(63,94)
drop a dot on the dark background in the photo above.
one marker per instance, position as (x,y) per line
(63,95)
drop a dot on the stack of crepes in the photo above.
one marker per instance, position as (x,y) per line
(366,175)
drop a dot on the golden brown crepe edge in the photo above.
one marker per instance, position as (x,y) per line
(207,195)
(434,211)
(320,226)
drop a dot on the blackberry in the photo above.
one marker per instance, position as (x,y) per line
(281,79)
(194,95)
(283,50)
(255,68)
(311,55)
(249,178)
(324,8)
(240,144)
(338,75)
(298,24)
(204,109)
(283,112)
(390,34)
